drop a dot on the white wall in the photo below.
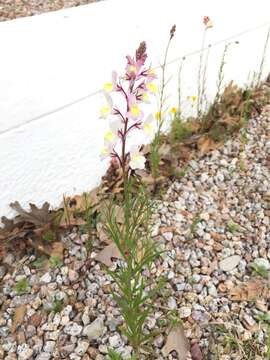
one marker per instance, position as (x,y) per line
(54,59)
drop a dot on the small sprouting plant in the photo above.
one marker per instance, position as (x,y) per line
(55,261)
(113,355)
(49,236)
(233,227)
(194,223)
(156,143)
(39,262)
(57,306)
(260,270)
(263,317)
(22,286)
(202,68)
(88,245)
(180,130)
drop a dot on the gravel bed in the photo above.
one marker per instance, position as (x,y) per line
(214,222)
(12,9)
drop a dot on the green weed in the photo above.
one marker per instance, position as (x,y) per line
(260,270)
(22,286)
(135,292)
(55,261)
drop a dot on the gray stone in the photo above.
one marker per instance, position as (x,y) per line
(94,330)
(82,347)
(262,262)
(24,352)
(46,278)
(229,263)
(43,356)
(73,329)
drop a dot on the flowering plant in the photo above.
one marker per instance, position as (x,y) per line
(133,89)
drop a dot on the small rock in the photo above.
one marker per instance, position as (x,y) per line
(94,330)
(115,341)
(24,352)
(229,263)
(43,356)
(212,291)
(262,262)
(73,275)
(81,347)
(184,312)
(73,329)
(46,278)
(4,331)
(168,236)
(172,303)
(49,346)
(2,272)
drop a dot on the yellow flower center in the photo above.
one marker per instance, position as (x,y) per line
(105,110)
(158,115)
(152,87)
(104,151)
(135,111)
(108,87)
(173,110)
(145,97)
(132,69)
(137,158)
(109,136)
(148,128)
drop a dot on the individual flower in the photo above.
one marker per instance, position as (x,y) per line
(110,138)
(135,113)
(158,115)
(151,74)
(137,160)
(105,152)
(152,87)
(106,110)
(111,86)
(148,126)
(207,22)
(173,110)
(193,100)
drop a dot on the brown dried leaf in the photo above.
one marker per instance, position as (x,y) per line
(250,291)
(18,317)
(206,144)
(196,353)
(178,342)
(106,255)
(35,216)
(57,249)
(102,235)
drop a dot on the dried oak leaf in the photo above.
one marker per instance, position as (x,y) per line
(178,342)
(206,144)
(57,249)
(250,291)
(35,216)
(102,235)
(18,317)
(106,255)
